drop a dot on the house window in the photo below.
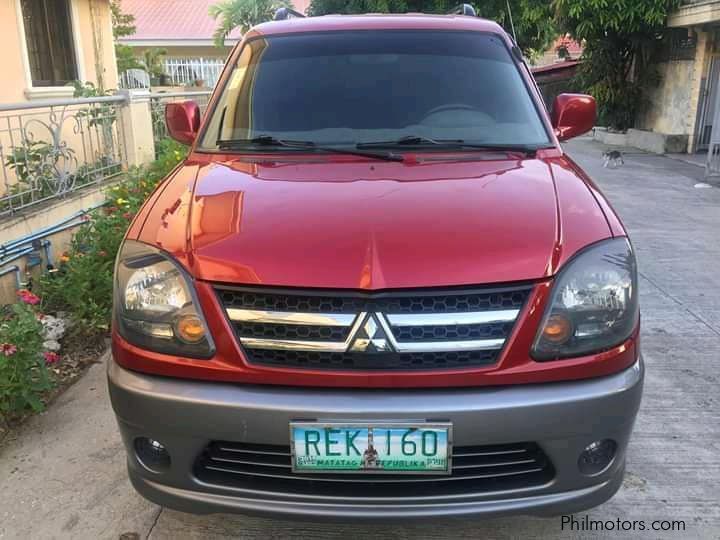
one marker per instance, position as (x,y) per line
(48,33)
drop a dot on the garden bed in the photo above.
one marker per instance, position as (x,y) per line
(77,356)
(37,360)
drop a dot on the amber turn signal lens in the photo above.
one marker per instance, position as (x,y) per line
(557,329)
(190,328)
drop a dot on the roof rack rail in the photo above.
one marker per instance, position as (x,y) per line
(464,9)
(283,14)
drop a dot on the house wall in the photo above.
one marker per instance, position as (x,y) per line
(668,108)
(703,17)
(672,107)
(49,215)
(695,13)
(93,43)
(97,42)
(14,82)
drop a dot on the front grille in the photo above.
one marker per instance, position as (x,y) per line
(370,361)
(401,302)
(408,330)
(292,331)
(453,332)
(475,469)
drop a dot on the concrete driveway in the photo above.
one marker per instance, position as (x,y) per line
(63,476)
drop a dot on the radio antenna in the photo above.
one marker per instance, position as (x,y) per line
(512,26)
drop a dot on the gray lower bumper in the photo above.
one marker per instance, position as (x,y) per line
(562,418)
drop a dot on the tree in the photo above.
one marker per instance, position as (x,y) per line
(533,19)
(123,25)
(152,62)
(125,58)
(242,14)
(622,41)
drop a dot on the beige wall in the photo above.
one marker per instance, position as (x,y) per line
(673,105)
(94,46)
(98,45)
(668,110)
(51,214)
(14,84)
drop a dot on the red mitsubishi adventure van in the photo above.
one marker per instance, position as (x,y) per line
(377,287)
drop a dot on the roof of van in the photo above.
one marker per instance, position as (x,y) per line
(409,21)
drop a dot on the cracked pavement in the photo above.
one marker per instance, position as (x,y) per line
(63,475)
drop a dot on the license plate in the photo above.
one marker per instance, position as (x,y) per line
(422,448)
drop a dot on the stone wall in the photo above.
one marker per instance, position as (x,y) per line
(668,110)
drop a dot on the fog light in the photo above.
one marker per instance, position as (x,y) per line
(152,454)
(597,457)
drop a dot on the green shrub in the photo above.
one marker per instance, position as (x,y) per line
(82,284)
(23,372)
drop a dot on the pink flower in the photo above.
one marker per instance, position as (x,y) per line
(51,357)
(28,297)
(7,349)
(102,253)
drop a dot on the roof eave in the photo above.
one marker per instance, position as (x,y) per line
(175,42)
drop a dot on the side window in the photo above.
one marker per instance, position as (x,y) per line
(48,34)
(233,109)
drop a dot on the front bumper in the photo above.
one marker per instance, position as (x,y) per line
(562,418)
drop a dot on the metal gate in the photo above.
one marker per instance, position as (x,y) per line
(712,165)
(707,105)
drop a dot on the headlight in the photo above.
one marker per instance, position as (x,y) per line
(155,304)
(593,305)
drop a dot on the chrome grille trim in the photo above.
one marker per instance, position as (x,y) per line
(449,346)
(448,319)
(293,345)
(340,347)
(439,346)
(287,317)
(332,346)
(346,330)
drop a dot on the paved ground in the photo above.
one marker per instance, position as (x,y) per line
(63,476)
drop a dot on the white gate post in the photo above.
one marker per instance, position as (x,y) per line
(138,127)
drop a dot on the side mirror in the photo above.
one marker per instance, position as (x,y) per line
(183,121)
(573,115)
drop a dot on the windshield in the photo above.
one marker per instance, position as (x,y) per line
(349,88)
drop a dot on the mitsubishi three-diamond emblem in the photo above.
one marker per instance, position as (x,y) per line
(370,337)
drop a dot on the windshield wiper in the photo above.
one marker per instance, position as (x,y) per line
(418,142)
(268,141)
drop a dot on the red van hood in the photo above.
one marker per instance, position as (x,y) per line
(375,225)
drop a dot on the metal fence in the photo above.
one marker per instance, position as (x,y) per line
(53,147)
(158,101)
(134,78)
(186,71)
(183,72)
